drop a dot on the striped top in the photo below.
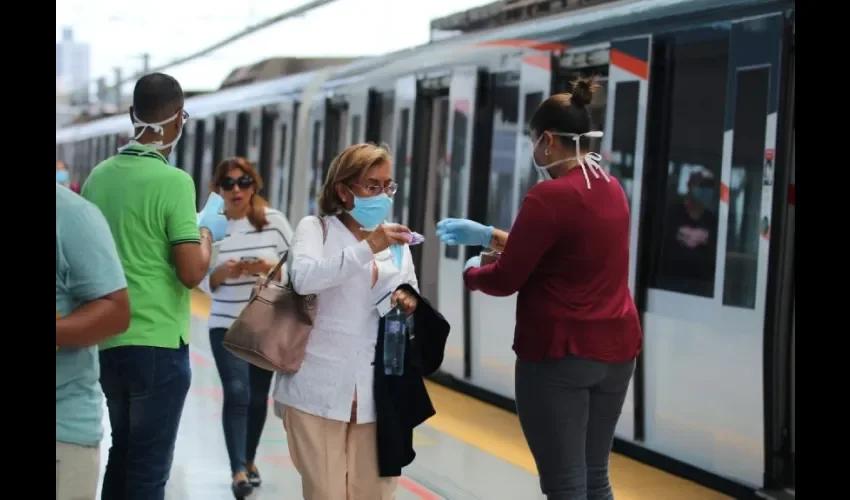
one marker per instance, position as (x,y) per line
(245,242)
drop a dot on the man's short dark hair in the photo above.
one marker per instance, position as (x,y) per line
(156,97)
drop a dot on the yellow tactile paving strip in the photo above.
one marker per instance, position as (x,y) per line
(498,433)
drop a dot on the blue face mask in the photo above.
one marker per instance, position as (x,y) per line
(62,176)
(705,196)
(371,212)
(398,255)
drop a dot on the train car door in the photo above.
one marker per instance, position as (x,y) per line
(111,148)
(535,85)
(706,296)
(187,161)
(231,129)
(423,148)
(402,144)
(336,130)
(213,132)
(779,330)
(357,110)
(281,158)
(493,318)
(747,190)
(316,150)
(454,203)
(623,155)
(253,138)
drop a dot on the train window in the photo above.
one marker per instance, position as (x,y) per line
(290,184)
(203,140)
(528,177)
(688,246)
(387,117)
(399,172)
(745,188)
(231,143)
(218,147)
(178,155)
(624,134)
(355,130)
(341,133)
(456,165)
(283,198)
(503,151)
(282,157)
(316,168)
(243,135)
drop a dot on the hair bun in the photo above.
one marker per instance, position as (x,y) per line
(583,89)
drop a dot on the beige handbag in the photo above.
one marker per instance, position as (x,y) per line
(273,329)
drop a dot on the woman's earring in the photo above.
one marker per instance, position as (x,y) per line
(546,151)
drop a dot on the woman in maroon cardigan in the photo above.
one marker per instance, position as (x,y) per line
(577,330)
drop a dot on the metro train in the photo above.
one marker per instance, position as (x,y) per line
(693,89)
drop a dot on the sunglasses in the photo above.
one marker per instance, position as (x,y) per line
(228,183)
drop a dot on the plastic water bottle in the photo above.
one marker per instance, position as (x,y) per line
(395,341)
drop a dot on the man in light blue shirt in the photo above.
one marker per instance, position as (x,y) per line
(91,305)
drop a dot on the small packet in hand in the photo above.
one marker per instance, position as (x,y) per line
(490,257)
(416,238)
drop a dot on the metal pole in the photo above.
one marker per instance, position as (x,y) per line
(146,63)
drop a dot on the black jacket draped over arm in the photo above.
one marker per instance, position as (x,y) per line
(402,402)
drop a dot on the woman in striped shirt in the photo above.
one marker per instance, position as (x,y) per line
(257,237)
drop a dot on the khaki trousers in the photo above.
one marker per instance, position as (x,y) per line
(336,460)
(77,471)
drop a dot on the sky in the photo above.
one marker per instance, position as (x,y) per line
(118,33)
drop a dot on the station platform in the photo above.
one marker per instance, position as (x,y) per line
(469,451)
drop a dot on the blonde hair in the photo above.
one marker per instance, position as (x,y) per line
(347,166)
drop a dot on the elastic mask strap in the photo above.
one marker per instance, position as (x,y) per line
(589,161)
(156,127)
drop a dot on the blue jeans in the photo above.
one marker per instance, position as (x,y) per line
(145,388)
(246,395)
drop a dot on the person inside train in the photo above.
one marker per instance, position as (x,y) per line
(92,305)
(577,330)
(259,238)
(688,259)
(349,429)
(150,208)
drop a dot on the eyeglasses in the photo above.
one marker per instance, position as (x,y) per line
(228,183)
(185,115)
(375,190)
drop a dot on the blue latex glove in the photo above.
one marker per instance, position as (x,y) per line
(464,232)
(472,262)
(211,218)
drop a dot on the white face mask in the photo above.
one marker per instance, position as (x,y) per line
(156,127)
(590,161)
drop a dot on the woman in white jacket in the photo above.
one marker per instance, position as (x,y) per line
(355,269)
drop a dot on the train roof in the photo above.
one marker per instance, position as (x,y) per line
(571,25)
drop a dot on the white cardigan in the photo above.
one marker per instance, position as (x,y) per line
(341,348)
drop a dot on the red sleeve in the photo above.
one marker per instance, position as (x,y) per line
(531,236)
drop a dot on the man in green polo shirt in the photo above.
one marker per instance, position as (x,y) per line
(150,208)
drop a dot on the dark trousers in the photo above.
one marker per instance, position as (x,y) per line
(145,388)
(246,395)
(568,409)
